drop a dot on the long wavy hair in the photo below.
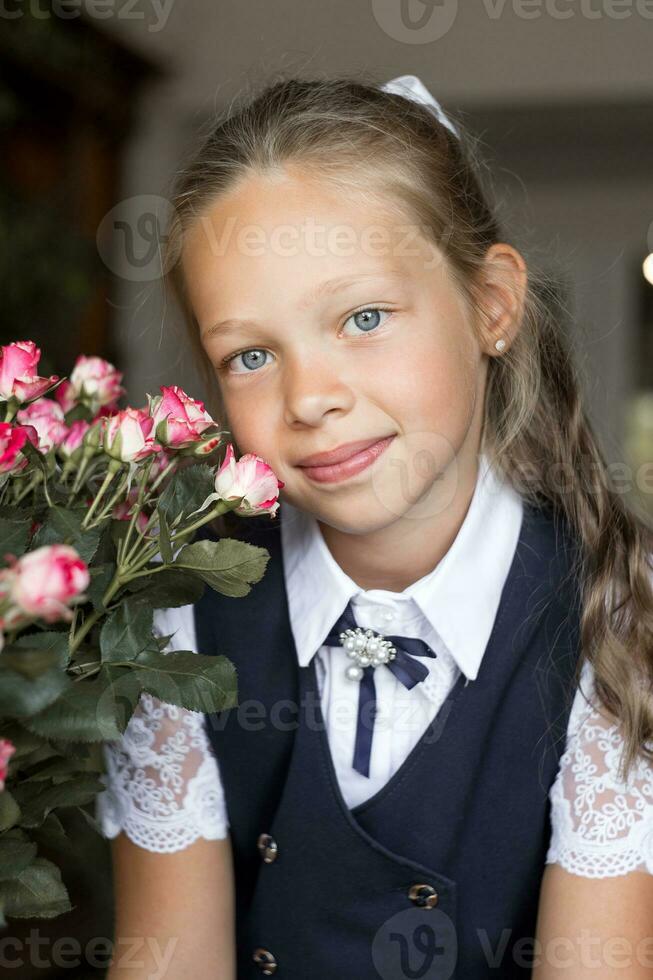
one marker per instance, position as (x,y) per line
(536,432)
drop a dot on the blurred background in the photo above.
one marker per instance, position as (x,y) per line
(101,100)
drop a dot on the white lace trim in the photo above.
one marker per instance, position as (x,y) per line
(601,826)
(163,785)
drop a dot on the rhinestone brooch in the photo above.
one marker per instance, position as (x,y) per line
(367,649)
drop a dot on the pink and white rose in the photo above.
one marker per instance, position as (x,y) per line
(47,417)
(129,435)
(180,420)
(18,372)
(43,584)
(74,438)
(249,477)
(12,440)
(125,509)
(7,749)
(95,382)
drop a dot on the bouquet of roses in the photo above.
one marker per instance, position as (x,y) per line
(99,507)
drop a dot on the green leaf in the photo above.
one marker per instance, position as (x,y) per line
(187,490)
(101,577)
(9,810)
(90,710)
(63,526)
(127,631)
(168,588)
(51,642)
(228,566)
(37,892)
(36,801)
(21,697)
(15,855)
(192,680)
(14,536)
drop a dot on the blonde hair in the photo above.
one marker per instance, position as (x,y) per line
(389,148)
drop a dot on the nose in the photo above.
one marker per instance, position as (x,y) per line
(314,387)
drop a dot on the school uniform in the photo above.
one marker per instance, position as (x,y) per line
(430,864)
(433,861)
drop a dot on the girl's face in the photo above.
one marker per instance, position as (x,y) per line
(330,321)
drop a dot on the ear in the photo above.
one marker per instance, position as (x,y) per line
(502,283)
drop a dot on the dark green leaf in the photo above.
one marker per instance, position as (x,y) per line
(55,641)
(63,525)
(37,800)
(9,810)
(14,537)
(89,711)
(193,680)
(15,855)
(101,577)
(21,698)
(37,892)
(127,631)
(227,565)
(168,588)
(187,490)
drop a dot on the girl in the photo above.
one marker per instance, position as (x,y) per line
(466,790)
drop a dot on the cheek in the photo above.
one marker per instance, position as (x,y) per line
(434,384)
(250,423)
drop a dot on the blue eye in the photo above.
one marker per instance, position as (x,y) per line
(255,361)
(368,318)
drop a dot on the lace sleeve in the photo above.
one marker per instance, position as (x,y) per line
(601,826)
(163,786)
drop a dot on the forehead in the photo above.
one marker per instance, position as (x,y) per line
(282,237)
(289,213)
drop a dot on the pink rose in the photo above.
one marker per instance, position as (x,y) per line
(65,396)
(95,382)
(12,440)
(43,582)
(129,435)
(46,416)
(18,377)
(7,749)
(124,510)
(74,438)
(179,420)
(249,477)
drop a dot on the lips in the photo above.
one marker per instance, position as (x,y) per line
(340,453)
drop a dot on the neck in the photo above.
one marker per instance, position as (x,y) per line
(395,556)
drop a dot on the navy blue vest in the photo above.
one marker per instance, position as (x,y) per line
(438,874)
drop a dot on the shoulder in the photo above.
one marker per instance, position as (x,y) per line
(602,826)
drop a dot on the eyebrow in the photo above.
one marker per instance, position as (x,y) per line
(327,287)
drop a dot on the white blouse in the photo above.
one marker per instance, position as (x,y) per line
(163,786)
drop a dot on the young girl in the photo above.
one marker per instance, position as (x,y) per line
(466,790)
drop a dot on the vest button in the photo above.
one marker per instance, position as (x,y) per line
(267,845)
(423,895)
(265,961)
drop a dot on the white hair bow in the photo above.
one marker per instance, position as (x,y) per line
(412,88)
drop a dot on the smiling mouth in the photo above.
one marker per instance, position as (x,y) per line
(342,470)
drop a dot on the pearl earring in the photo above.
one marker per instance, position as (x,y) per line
(500,344)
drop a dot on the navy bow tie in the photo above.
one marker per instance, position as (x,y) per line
(369,649)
